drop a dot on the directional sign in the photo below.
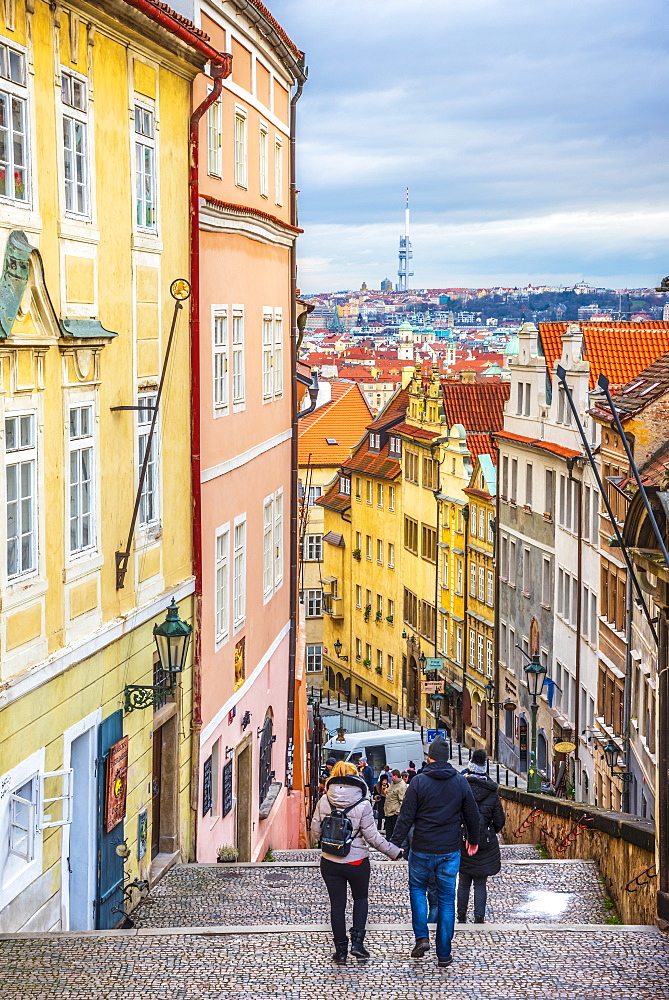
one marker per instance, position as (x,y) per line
(434,663)
(433,733)
(430,687)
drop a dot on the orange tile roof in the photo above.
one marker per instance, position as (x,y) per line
(334,500)
(481,444)
(554,449)
(618,350)
(645,388)
(393,412)
(373,463)
(415,432)
(343,420)
(478,406)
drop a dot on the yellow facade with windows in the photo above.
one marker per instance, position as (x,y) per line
(93,230)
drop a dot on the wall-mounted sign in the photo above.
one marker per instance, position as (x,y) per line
(117,784)
(564,747)
(434,663)
(227,787)
(240,662)
(142,833)
(429,687)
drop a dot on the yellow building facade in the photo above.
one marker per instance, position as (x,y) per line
(94,228)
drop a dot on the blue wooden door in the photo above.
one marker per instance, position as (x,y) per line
(110,865)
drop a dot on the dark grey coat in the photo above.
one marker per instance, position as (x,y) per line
(487,860)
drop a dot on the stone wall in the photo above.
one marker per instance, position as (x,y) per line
(623,846)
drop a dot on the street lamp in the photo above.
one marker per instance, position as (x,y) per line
(535,673)
(338,648)
(172,641)
(612,755)
(422,659)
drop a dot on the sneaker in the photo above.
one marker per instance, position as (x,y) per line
(421,947)
(444,963)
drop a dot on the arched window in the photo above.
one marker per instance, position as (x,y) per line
(267,738)
(508,724)
(542,752)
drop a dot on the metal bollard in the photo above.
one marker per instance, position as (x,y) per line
(498,774)
(405,723)
(507,777)
(366,716)
(338,699)
(515,780)
(460,754)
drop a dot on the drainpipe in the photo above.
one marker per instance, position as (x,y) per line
(221,67)
(496,626)
(301,76)
(627,694)
(579,606)
(465,651)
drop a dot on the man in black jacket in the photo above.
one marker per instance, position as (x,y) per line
(435,804)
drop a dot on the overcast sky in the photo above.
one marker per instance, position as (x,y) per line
(532,135)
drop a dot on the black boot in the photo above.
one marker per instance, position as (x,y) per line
(341,951)
(357,947)
(462,918)
(479,920)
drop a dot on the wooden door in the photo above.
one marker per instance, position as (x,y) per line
(155,791)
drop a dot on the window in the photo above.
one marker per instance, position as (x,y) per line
(267,354)
(473,521)
(220,362)
(444,571)
(595,517)
(519,407)
(314,659)
(472,647)
(586,513)
(266,774)
(472,579)
(491,529)
(379,494)
(145,169)
(278,171)
(458,577)
(314,548)
(241,150)
(505,477)
(148,503)
(222,584)
(370,490)
(527,580)
(368,654)
(13,125)
(394,446)
(238,379)
(379,607)
(391,498)
(482,524)
(490,592)
(314,493)
(514,480)
(358,541)
(278,539)
(374,442)
(21,486)
(528,484)
(368,546)
(379,661)
(546,584)
(411,466)
(358,649)
(214,139)
(411,535)
(564,410)
(379,551)
(391,667)
(278,353)
(503,557)
(428,620)
(273,543)
(512,563)
(239,576)
(430,473)
(23,820)
(314,604)
(458,643)
(391,611)
(489,657)
(267,546)
(358,488)
(358,595)
(74,97)
(263,150)
(410,608)
(549,499)
(391,555)
(482,583)
(82,527)
(428,543)
(479,652)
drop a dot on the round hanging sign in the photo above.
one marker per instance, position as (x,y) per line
(564,747)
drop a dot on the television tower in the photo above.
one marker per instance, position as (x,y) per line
(405,253)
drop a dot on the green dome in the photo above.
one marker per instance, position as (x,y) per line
(511,349)
(405,328)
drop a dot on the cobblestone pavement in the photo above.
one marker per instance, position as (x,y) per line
(512,852)
(489,964)
(206,895)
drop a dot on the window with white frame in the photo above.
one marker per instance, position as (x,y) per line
(481,583)
(314,659)
(21,493)
(490,599)
(345,487)
(267,547)
(263,151)
(267,354)
(358,595)
(472,579)
(278,353)
(313,549)
(23,821)
(391,611)
(74,99)
(458,644)
(546,583)
(278,171)
(222,584)
(473,520)
(314,603)
(239,575)
(146,216)
(314,493)
(238,376)
(148,501)
(391,555)
(14,176)
(220,361)
(481,523)
(82,481)
(214,139)
(391,498)
(379,551)
(391,666)
(472,647)
(479,653)
(489,657)
(241,148)
(278,539)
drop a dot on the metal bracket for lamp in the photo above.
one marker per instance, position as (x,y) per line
(138,696)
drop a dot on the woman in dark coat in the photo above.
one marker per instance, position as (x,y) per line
(487,860)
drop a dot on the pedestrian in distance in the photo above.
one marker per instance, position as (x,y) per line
(411,771)
(437,801)
(367,774)
(379,798)
(393,802)
(487,861)
(346,790)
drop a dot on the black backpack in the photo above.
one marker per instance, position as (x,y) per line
(337,831)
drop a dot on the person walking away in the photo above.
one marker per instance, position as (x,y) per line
(367,774)
(487,861)
(345,789)
(393,802)
(437,801)
(379,799)
(411,771)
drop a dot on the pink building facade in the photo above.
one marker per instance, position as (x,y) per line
(246,245)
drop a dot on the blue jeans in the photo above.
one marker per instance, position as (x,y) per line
(445,869)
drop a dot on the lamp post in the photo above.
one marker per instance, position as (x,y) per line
(172,639)
(437,698)
(535,673)
(612,755)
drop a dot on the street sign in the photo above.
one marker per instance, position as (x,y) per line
(434,663)
(433,733)
(429,687)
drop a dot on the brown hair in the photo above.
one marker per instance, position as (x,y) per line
(343,767)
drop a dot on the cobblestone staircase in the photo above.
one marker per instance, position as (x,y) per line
(254,931)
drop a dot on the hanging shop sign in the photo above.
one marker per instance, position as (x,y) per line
(117,784)
(564,747)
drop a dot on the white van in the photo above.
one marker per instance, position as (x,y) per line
(395,747)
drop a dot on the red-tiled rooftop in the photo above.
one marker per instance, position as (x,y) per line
(478,406)
(341,420)
(644,389)
(618,350)
(334,500)
(373,463)
(481,444)
(554,449)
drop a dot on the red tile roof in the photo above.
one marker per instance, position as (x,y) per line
(618,350)
(554,449)
(334,500)
(393,412)
(373,463)
(481,444)
(644,389)
(478,406)
(343,420)
(415,432)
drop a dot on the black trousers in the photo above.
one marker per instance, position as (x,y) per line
(390,825)
(337,878)
(480,894)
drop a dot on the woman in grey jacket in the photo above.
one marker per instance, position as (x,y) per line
(343,789)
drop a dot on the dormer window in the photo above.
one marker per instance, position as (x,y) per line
(395,446)
(374,442)
(345,485)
